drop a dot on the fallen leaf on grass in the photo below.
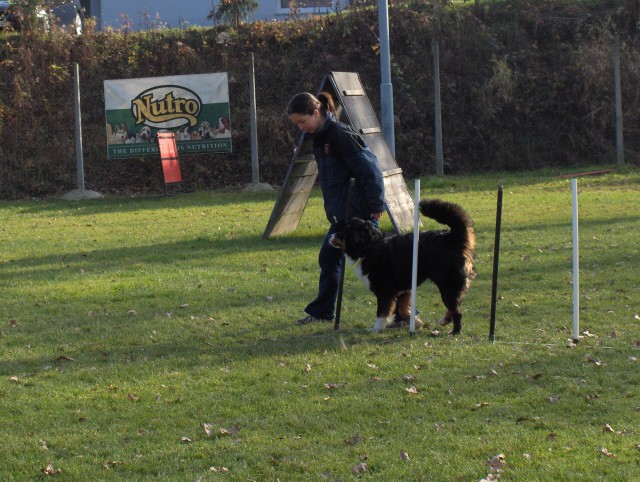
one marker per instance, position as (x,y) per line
(497,462)
(404,456)
(412,390)
(208,429)
(13,323)
(219,469)
(232,431)
(64,358)
(355,440)
(554,399)
(307,368)
(478,406)
(361,468)
(14,379)
(133,397)
(43,445)
(185,440)
(490,478)
(333,386)
(49,470)
(604,451)
(607,428)
(409,378)
(595,361)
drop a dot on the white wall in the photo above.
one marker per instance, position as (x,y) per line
(172,12)
(169,12)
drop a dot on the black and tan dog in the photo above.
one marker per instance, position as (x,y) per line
(384,263)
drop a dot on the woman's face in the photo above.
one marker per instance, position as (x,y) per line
(308,123)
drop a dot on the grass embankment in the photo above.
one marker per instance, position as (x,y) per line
(132,327)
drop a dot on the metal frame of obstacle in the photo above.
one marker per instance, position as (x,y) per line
(353,108)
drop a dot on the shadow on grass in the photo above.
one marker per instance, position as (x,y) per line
(200,199)
(224,197)
(202,249)
(205,348)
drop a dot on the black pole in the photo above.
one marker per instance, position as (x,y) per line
(496,256)
(347,217)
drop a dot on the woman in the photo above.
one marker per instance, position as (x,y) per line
(341,154)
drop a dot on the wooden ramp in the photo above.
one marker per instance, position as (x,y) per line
(353,108)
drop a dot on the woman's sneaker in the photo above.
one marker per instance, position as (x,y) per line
(311,319)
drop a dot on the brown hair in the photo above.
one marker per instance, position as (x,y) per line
(305,103)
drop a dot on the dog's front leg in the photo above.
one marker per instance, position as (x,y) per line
(384,312)
(446,319)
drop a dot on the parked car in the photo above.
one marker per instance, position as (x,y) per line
(64,14)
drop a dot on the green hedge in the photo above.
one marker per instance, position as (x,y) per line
(523,85)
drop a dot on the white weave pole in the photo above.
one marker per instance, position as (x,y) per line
(576,263)
(414,268)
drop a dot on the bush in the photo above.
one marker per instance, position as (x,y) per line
(523,86)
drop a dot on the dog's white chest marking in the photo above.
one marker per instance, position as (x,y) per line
(357,268)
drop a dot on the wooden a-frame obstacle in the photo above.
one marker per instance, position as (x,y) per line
(352,108)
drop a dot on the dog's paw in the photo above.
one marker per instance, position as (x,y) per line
(444,321)
(379,326)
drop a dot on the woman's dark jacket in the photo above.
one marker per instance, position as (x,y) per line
(342,154)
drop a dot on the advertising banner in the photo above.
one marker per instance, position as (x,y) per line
(194,107)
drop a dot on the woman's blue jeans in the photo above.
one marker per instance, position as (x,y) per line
(330,261)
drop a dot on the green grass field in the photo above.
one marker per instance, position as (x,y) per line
(154,339)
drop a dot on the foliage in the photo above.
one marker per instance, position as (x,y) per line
(523,85)
(233,11)
(153,339)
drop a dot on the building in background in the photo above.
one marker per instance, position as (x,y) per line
(151,14)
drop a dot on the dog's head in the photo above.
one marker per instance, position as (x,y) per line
(121,133)
(355,236)
(205,130)
(223,125)
(144,135)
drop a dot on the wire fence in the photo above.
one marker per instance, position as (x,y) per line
(517,93)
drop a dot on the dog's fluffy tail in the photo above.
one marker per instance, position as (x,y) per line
(447,213)
(458,220)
